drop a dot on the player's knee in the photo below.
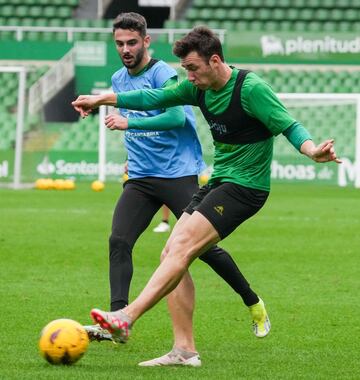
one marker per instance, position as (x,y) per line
(182,247)
(118,246)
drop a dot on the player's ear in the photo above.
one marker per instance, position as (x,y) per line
(214,60)
(147,41)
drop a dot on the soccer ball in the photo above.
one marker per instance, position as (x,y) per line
(97,186)
(63,341)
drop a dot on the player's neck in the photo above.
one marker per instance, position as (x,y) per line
(222,77)
(141,66)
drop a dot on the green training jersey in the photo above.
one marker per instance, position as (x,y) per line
(244,164)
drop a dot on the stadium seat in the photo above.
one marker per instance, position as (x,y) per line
(7,11)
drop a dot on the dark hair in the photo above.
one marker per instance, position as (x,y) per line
(201,40)
(131,21)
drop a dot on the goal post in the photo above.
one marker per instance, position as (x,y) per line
(20,117)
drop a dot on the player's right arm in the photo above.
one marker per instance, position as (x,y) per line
(84,104)
(179,94)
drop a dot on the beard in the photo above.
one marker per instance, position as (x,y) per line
(136,59)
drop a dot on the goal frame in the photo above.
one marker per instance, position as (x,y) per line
(20,117)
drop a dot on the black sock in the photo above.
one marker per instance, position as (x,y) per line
(117,305)
(223,264)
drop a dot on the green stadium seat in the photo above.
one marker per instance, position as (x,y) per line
(83,23)
(192,14)
(264,14)
(257,3)
(27,21)
(21,11)
(71,22)
(292,14)
(244,25)
(227,4)
(314,4)
(206,13)
(13,21)
(50,12)
(98,23)
(278,14)
(285,25)
(35,12)
(306,14)
(351,14)
(270,26)
(299,26)
(284,3)
(336,15)
(270,3)
(33,36)
(214,3)
(213,24)
(107,37)
(248,14)
(321,14)
(256,25)
(329,26)
(89,36)
(64,12)
(229,25)
(60,36)
(7,11)
(199,3)
(48,36)
(57,22)
(72,3)
(183,24)
(317,26)
(221,14)
(355,27)
(41,22)
(345,26)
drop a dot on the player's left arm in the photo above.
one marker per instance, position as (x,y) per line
(263,104)
(170,118)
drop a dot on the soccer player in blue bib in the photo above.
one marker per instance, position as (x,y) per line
(164,160)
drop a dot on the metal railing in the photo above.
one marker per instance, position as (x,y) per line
(70,31)
(51,82)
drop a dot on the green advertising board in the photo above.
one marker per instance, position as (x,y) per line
(293,47)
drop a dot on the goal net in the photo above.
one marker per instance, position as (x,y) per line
(326,116)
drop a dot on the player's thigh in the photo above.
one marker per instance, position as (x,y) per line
(228,205)
(177,227)
(177,193)
(194,235)
(133,212)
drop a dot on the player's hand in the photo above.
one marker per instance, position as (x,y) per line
(84,104)
(115,121)
(325,152)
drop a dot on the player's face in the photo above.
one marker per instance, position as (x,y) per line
(131,47)
(199,72)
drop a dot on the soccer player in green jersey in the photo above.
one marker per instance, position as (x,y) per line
(244,115)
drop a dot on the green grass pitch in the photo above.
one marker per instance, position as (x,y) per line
(300,253)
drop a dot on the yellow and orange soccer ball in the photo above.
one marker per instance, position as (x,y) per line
(63,341)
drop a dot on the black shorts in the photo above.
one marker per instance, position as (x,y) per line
(227,205)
